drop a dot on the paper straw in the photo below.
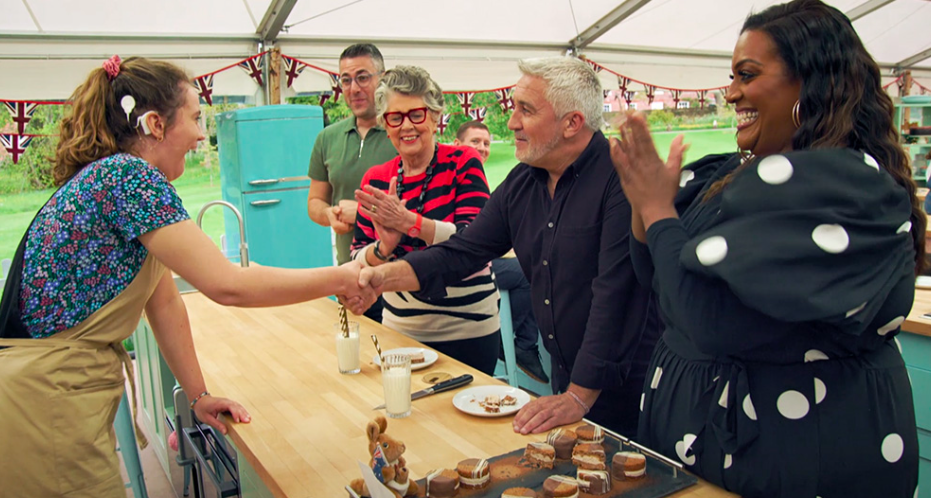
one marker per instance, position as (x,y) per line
(343,321)
(378,348)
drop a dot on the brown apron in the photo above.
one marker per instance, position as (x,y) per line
(58,400)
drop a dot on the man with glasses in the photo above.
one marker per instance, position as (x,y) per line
(344,151)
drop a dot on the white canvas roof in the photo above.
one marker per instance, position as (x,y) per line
(48,46)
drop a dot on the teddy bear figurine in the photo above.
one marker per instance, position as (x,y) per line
(386,461)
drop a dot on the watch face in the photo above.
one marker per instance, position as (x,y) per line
(413,232)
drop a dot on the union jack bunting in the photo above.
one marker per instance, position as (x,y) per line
(444,122)
(595,65)
(324,97)
(628,97)
(606,93)
(292,69)
(15,144)
(622,83)
(204,86)
(21,113)
(701,98)
(336,87)
(465,99)
(676,97)
(478,114)
(504,99)
(651,91)
(252,67)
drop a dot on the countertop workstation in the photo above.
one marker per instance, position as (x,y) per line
(915,342)
(308,420)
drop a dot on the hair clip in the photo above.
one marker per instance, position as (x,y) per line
(128,103)
(112,67)
(142,122)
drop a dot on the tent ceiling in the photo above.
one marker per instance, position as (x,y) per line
(470,45)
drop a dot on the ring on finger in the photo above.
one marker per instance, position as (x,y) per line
(374,208)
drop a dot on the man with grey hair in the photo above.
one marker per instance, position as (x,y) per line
(564,213)
(344,151)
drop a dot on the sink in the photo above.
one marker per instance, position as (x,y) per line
(184,286)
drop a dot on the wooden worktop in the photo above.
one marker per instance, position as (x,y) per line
(915,323)
(308,420)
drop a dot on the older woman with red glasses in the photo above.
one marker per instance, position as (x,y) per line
(422,197)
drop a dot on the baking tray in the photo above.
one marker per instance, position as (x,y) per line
(510,470)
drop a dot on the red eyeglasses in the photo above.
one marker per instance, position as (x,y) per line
(395,119)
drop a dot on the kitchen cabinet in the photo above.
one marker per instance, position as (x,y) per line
(264,158)
(155,383)
(913,112)
(916,351)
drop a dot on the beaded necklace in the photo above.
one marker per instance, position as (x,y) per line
(426,179)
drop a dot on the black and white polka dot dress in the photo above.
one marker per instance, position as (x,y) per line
(778,373)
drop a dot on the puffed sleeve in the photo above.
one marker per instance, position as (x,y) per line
(810,235)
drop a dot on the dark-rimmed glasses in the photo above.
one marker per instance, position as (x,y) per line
(395,119)
(361,79)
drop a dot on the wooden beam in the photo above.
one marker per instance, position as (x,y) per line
(275,17)
(865,8)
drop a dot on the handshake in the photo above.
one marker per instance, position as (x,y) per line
(359,286)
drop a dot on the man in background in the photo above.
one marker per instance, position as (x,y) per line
(344,151)
(508,274)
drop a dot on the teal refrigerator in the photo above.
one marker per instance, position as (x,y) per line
(264,158)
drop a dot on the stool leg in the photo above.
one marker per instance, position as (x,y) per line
(126,436)
(507,337)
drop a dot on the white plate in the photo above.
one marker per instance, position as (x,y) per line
(429,356)
(468,400)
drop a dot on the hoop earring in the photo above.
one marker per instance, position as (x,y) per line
(795,114)
(159,139)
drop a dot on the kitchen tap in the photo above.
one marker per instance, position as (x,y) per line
(243,247)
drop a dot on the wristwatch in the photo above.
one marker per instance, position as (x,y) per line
(379,255)
(414,231)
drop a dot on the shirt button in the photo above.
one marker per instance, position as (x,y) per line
(550,224)
(546,302)
(545,262)
(550,336)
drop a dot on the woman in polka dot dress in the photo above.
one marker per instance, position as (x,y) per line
(784,276)
(95,257)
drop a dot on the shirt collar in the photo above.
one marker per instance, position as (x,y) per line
(356,129)
(590,152)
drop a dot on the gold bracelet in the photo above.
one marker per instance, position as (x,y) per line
(197,398)
(579,401)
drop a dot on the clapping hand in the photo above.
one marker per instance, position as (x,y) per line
(384,208)
(649,184)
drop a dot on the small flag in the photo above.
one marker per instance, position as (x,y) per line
(21,113)
(15,144)
(504,99)
(478,114)
(336,87)
(444,122)
(204,86)
(465,99)
(651,91)
(292,68)
(252,67)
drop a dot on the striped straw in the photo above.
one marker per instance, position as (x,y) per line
(343,320)
(378,348)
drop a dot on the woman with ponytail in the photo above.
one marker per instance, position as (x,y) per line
(96,256)
(784,273)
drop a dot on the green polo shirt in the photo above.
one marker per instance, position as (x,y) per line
(341,157)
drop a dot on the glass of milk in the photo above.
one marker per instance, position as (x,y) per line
(396,378)
(347,349)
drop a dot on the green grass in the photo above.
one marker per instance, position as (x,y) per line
(200,185)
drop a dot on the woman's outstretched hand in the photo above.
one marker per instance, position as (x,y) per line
(649,184)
